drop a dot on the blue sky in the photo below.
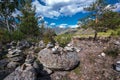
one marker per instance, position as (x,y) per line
(64,13)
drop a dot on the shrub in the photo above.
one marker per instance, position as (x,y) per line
(6,37)
(118,31)
(63,39)
(17,35)
(37,50)
(112,50)
(48,35)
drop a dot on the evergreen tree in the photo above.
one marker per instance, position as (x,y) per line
(98,9)
(29,25)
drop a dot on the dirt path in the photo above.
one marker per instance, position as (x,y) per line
(94,66)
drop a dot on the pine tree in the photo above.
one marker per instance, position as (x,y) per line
(98,9)
(29,25)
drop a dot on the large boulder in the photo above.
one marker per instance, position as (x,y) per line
(64,61)
(23,73)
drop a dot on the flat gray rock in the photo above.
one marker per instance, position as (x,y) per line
(16,59)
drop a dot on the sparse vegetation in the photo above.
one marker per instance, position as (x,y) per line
(63,39)
(112,50)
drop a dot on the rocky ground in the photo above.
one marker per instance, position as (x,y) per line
(94,63)
(81,59)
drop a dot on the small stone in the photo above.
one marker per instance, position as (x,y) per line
(103,54)
(55,51)
(118,66)
(11,52)
(69,45)
(49,45)
(71,49)
(41,44)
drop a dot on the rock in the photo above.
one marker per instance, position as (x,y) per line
(69,45)
(29,59)
(13,43)
(41,44)
(65,61)
(49,45)
(11,52)
(12,64)
(22,73)
(9,55)
(117,42)
(14,53)
(69,49)
(103,54)
(118,66)
(16,59)
(36,66)
(3,63)
(8,46)
(55,50)
(48,70)
(23,44)
(45,71)
(77,49)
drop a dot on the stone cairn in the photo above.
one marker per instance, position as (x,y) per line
(15,54)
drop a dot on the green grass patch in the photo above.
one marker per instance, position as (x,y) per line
(63,39)
(77,70)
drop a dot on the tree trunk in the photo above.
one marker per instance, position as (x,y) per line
(7,25)
(96,20)
(95,36)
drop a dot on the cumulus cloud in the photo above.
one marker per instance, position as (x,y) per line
(63,25)
(67,26)
(56,8)
(73,26)
(16,13)
(45,11)
(52,24)
(117,7)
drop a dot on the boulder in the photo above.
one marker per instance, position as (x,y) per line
(22,73)
(65,61)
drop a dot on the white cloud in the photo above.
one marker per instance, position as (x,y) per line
(73,26)
(117,7)
(52,24)
(63,25)
(56,8)
(53,2)
(16,13)
(67,26)
(45,11)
